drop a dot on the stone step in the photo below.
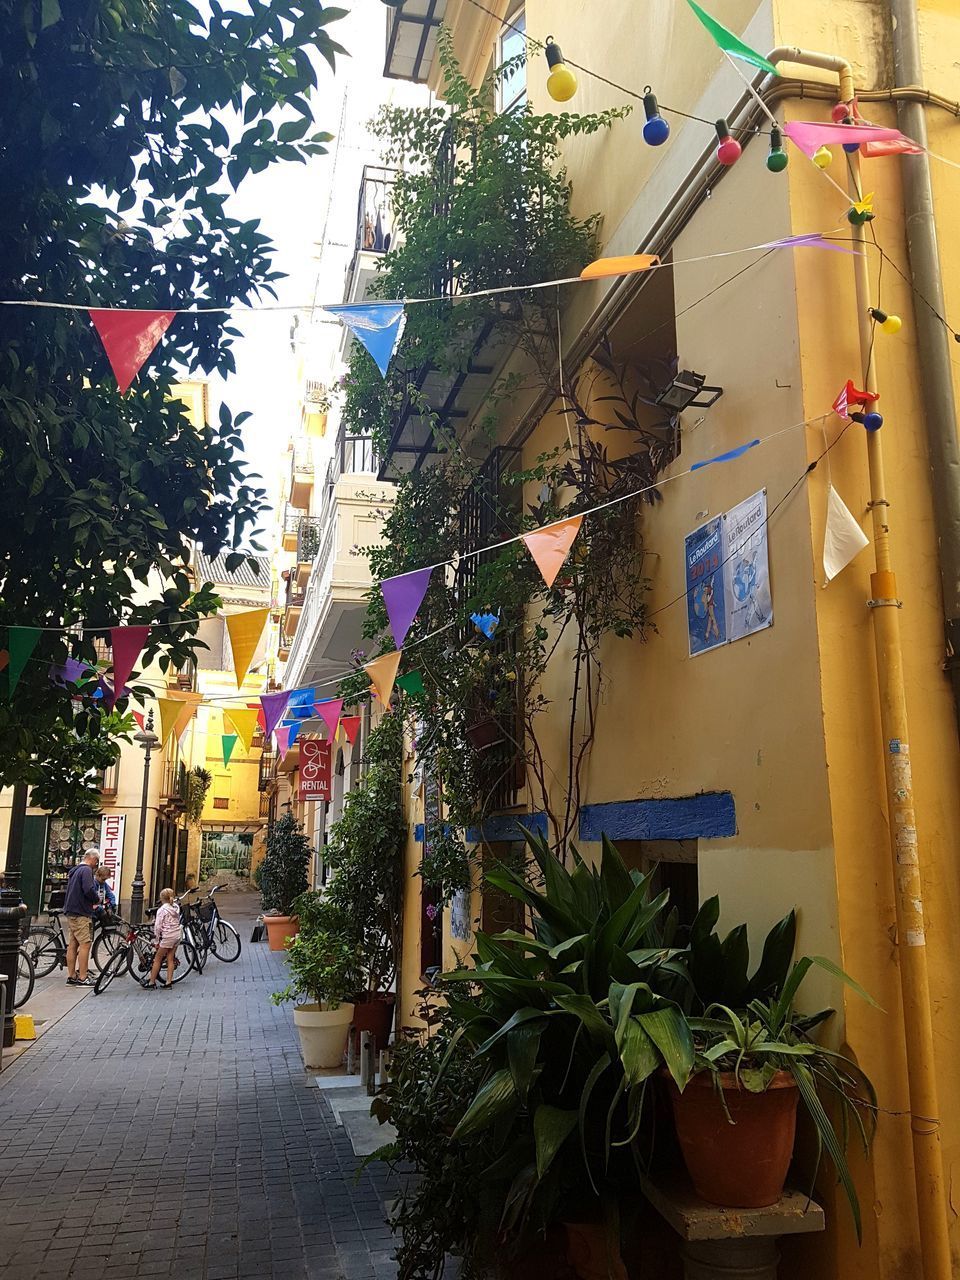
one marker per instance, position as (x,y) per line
(365,1133)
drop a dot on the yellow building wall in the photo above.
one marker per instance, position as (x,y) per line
(787,720)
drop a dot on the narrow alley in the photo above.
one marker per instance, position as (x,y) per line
(174,1133)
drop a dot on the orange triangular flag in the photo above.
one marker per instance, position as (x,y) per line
(551,545)
(169,710)
(382,672)
(245,631)
(129,338)
(244,724)
(619,266)
(187,713)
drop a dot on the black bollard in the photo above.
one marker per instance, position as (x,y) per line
(12,911)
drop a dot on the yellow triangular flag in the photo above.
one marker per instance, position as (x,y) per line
(187,712)
(169,710)
(382,672)
(245,632)
(244,723)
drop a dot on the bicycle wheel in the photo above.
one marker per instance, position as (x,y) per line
(25,979)
(185,959)
(225,942)
(139,953)
(113,966)
(197,940)
(43,947)
(108,943)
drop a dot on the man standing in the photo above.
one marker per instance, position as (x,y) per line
(82,896)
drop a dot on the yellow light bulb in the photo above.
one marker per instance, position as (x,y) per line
(561,83)
(823,158)
(892,324)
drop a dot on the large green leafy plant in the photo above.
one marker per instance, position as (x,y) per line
(283,871)
(125,123)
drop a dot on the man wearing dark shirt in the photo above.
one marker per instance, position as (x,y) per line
(82,896)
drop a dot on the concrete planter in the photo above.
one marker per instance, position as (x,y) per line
(323,1033)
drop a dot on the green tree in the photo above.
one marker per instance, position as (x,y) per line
(124,124)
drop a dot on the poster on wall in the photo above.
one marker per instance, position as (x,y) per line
(746,568)
(706,618)
(460,916)
(314,769)
(112,827)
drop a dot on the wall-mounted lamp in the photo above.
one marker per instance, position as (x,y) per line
(684,392)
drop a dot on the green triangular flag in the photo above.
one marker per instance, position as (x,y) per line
(730,43)
(21,643)
(229,741)
(411,683)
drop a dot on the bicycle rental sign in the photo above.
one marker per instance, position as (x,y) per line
(314,769)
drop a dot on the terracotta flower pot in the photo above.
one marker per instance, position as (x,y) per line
(741,1165)
(281,930)
(374,1013)
(587,1252)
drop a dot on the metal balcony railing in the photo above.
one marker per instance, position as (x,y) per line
(268,769)
(302,461)
(308,539)
(291,519)
(356,455)
(295,594)
(375,222)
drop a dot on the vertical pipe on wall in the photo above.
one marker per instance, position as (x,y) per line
(933,340)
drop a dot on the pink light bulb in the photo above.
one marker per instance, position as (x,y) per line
(729,151)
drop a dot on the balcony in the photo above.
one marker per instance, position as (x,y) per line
(301,476)
(268,770)
(374,235)
(308,544)
(291,527)
(293,606)
(329,624)
(173,782)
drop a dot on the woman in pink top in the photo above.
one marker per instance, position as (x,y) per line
(167,934)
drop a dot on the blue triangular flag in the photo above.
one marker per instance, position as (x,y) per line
(726,457)
(378,325)
(294,730)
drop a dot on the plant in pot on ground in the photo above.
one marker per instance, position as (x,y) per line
(756,1059)
(365,854)
(324,972)
(283,878)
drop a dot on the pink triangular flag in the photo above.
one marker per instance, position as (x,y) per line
(551,545)
(129,338)
(811,135)
(282,736)
(127,644)
(329,712)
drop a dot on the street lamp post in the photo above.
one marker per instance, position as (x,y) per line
(148,740)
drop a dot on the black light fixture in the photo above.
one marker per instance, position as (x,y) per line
(684,392)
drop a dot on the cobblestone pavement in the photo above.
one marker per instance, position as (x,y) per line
(158,1133)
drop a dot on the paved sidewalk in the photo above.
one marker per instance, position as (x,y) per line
(157,1133)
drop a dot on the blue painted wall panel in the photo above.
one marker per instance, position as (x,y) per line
(506,827)
(712,814)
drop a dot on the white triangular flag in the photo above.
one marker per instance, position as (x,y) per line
(843,538)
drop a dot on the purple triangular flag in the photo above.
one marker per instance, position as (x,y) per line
(403,595)
(69,672)
(274,705)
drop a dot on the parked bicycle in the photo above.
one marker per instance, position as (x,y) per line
(135,956)
(207,931)
(47,943)
(26,977)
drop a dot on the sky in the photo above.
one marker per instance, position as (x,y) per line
(306,209)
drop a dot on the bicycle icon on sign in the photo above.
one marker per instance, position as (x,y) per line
(314,769)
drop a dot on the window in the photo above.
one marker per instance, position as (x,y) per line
(674,864)
(109,778)
(512,88)
(221,802)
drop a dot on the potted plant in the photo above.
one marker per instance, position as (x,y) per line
(365,854)
(323,970)
(736,1117)
(282,878)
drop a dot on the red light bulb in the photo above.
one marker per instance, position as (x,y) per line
(839,112)
(729,150)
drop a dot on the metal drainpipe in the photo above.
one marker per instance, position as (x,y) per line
(933,341)
(908,891)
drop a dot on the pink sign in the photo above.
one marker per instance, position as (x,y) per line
(314,769)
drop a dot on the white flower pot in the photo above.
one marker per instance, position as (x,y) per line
(323,1033)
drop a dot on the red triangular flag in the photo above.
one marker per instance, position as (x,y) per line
(129,338)
(351,727)
(261,719)
(126,643)
(138,716)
